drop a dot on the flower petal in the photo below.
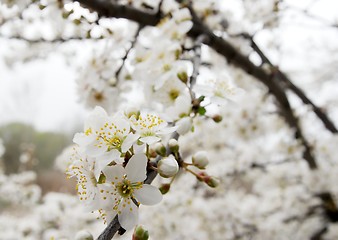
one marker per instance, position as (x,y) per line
(113,173)
(96,118)
(104,160)
(83,140)
(94,151)
(150,140)
(136,168)
(129,215)
(148,195)
(128,142)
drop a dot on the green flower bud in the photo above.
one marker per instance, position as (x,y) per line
(164,188)
(211,181)
(183,76)
(160,149)
(173,145)
(140,234)
(217,118)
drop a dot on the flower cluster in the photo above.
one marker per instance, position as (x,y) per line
(110,163)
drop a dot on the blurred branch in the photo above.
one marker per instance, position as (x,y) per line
(288,83)
(314,17)
(55,40)
(197,61)
(132,44)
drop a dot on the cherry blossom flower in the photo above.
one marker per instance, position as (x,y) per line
(105,138)
(220,90)
(150,128)
(94,195)
(129,190)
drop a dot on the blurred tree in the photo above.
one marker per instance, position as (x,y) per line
(21,140)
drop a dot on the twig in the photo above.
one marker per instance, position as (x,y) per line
(132,44)
(55,40)
(197,61)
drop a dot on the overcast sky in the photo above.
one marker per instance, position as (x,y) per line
(41,93)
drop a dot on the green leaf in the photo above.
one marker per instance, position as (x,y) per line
(201,111)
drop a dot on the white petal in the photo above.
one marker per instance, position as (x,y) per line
(139,148)
(129,215)
(83,140)
(148,195)
(129,141)
(96,119)
(94,151)
(136,168)
(167,130)
(103,161)
(150,140)
(113,173)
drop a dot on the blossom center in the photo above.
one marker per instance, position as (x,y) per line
(173,94)
(114,143)
(126,188)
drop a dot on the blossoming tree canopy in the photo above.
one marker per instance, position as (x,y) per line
(198,109)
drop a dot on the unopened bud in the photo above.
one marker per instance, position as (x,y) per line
(183,76)
(200,159)
(167,167)
(201,176)
(165,188)
(160,149)
(217,118)
(211,181)
(140,234)
(83,235)
(173,145)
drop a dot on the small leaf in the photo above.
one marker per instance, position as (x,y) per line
(201,111)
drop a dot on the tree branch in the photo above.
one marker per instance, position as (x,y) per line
(196,61)
(132,44)
(296,90)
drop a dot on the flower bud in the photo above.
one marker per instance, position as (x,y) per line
(173,145)
(200,159)
(165,188)
(167,167)
(201,176)
(211,181)
(140,234)
(160,149)
(83,235)
(183,76)
(217,118)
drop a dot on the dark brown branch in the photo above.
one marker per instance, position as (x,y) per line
(110,9)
